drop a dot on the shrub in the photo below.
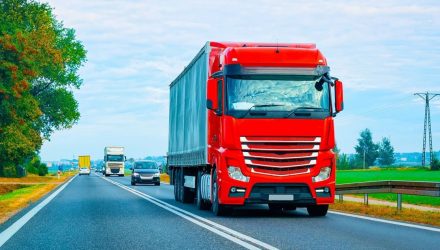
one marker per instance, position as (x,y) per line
(435,164)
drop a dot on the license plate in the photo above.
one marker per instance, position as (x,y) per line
(281,197)
(146,178)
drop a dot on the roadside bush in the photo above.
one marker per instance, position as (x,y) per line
(42,170)
(9,171)
(34,166)
(435,165)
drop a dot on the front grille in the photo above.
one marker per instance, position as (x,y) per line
(280,156)
(114,170)
(147,175)
(113,165)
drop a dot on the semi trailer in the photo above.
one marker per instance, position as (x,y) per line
(252,123)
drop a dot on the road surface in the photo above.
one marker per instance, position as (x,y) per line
(93,212)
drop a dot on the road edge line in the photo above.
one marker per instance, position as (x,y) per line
(387,221)
(17,225)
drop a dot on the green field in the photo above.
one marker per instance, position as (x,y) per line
(18,192)
(404,174)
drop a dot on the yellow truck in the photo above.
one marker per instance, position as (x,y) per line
(84,164)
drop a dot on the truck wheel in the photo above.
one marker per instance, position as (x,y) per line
(186,196)
(317,210)
(217,208)
(106,175)
(201,204)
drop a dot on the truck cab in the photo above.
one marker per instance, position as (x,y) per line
(270,129)
(114,161)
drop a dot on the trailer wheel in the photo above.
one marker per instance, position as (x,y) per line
(217,208)
(317,210)
(201,204)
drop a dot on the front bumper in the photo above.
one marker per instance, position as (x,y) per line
(138,179)
(298,190)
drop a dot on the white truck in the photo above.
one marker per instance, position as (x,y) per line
(114,161)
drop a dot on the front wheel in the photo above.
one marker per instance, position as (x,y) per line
(317,210)
(157,184)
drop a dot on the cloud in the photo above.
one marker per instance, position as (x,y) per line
(384,51)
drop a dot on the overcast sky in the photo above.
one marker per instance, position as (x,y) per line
(384,51)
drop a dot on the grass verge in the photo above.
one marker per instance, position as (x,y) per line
(377,211)
(400,174)
(19,196)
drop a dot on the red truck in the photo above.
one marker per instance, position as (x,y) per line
(252,123)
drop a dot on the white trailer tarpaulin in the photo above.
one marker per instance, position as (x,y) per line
(187,145)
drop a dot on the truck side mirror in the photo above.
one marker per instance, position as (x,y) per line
(212,95)
(339,96)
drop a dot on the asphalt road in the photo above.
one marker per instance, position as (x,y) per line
(107,213)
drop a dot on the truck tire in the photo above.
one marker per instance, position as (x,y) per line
(186,196)
(201,204)
(217,208)
(317,210)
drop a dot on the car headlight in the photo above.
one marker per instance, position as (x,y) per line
(156,175)
(236,174)
(135,174)
(323,175)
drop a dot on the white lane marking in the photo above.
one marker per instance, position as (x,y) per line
(387,221)
(223,231)
(12,229)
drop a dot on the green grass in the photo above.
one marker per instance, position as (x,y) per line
(18,192)
(350,176)
(404,174)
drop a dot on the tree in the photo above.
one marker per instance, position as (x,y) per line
(435,163)
(366,150)
(342,161)
(39,60)
(386,152)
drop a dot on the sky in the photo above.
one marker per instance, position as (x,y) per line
(383,51)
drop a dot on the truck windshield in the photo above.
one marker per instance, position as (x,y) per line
(276,96)
(115,158)
(145,165)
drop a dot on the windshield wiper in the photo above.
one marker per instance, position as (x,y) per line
(302,108)
(260,105)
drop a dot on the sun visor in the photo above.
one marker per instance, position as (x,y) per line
(237,69)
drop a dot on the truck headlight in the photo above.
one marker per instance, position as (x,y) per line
(156,175)
(323,175)
(135,174)
(236,174)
